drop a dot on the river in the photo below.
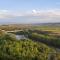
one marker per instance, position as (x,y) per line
(20,37)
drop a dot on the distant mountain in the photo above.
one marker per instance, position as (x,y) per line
(46,24)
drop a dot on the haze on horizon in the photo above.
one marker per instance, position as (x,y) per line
(29,11)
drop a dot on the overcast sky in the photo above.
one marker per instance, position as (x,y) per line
(29,11)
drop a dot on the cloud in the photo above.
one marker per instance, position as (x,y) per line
(9,14)
(5,14)
(47,14)
(43,14)
(34,11)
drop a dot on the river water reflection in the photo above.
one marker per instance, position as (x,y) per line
(20,37)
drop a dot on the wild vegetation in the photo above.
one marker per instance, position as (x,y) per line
(40,45)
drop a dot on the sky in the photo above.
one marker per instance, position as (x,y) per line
(29,11)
